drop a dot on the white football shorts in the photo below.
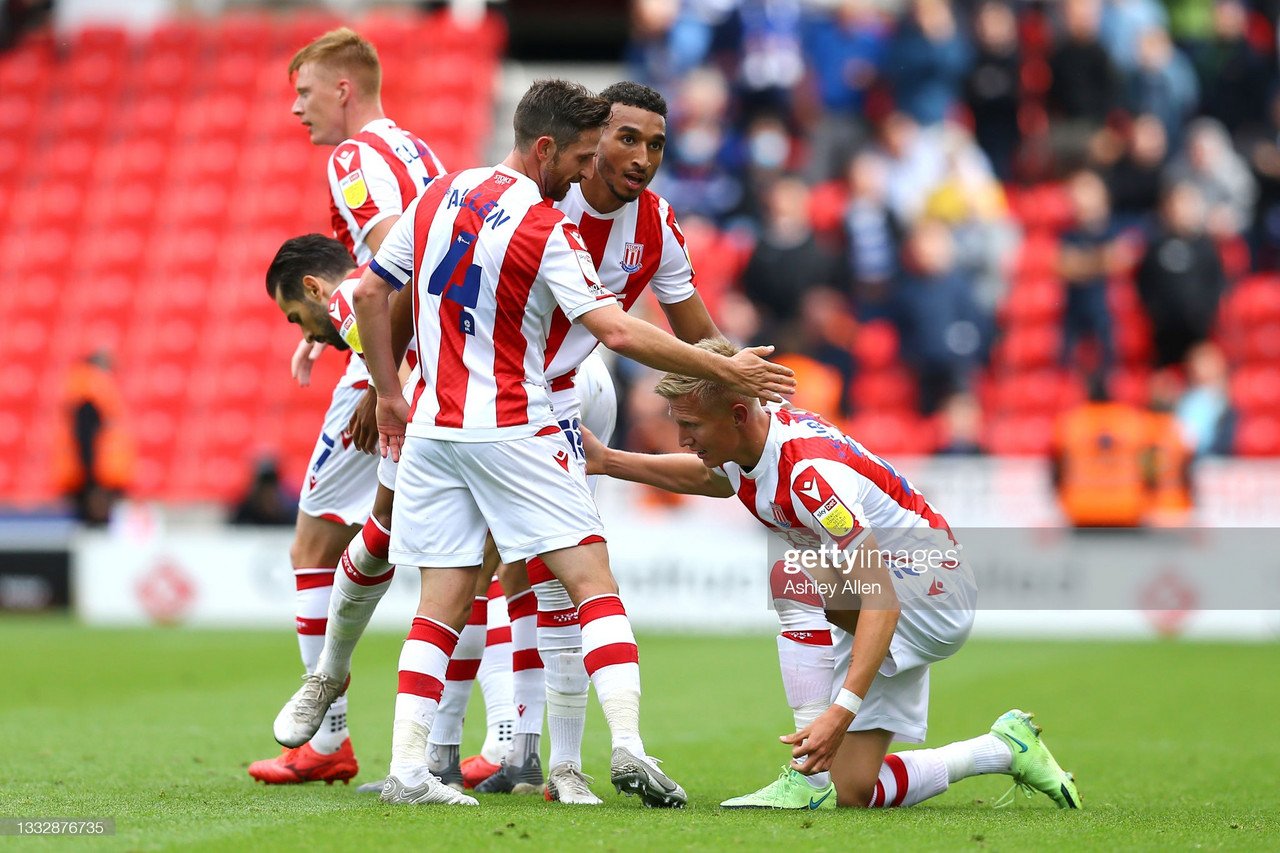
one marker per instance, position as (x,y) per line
(341,481)
(930,629)
(590,401)
(531,493)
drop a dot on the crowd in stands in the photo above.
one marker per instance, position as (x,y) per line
(951,215)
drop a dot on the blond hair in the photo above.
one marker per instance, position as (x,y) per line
(344,50)
(675,385)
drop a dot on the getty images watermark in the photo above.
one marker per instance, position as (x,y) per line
(850,578)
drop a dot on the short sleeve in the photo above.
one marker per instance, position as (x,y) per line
(343,316)
(569,272)
(829,498)
(394,261)
(364,189)
(674,280)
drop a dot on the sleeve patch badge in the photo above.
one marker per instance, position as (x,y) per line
(828,510)
(354,190)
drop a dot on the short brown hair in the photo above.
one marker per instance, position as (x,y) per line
(346,51)
(675,385)
(559,109)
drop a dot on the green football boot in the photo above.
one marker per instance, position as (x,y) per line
(1034,767)
(789,791)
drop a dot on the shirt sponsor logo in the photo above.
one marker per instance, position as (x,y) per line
(632,255)
(835,518)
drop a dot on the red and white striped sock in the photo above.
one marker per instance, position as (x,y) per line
(613,663)
(459,676)
(364,578)
(528,681)
(495,679)
(560,647)
(315,586)
(423,661)
(910,777)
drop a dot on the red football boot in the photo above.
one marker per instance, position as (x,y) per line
(304,764)
(476,769)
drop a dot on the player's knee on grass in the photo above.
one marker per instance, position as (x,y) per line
(319,543)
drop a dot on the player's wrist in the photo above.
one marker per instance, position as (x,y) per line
(849,701)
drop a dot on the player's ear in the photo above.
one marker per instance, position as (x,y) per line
(739,413)
(312,285)
(544,148)
(344,91)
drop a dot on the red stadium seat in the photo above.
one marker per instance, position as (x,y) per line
(891,389)
(1256,388)
(1020,435)
(892,434)
(1029,346)
(1038,256)
(876,345)
(1258,435)
(1033,301)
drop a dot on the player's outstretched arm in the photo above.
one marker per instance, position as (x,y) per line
(373,315)
(681,473)
(747,372)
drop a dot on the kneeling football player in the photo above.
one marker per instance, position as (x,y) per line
(867,552)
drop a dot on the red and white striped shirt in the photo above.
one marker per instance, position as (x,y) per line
(357,373)
(815,485)
(490,260)
(342,314)
(638,245)
(373,175)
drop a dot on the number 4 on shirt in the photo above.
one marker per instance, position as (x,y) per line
(451,280)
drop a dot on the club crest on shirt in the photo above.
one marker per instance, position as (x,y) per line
(779,515)
(632,255)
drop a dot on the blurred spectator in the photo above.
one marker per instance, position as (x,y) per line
(1135,179)
(787,259)
(969,200)
(938,320)
(1100,468)
(1234,77)
(1204,410)
(700,174)
(927,61)
(845,51)
(1168,458)
(772,62)
(770,151)
(1263,150)
(1180,279)
(265,503)
(95,460)
(1163,83)
(1086,84)
(1123,24)
(1212,166)
(669,38)
(1190,21)
(993,87)
(1091,252)
(873,236)
(961,423)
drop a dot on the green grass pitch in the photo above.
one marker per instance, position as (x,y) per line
(1174,746)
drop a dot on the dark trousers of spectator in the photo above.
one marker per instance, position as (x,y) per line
(1087,315)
